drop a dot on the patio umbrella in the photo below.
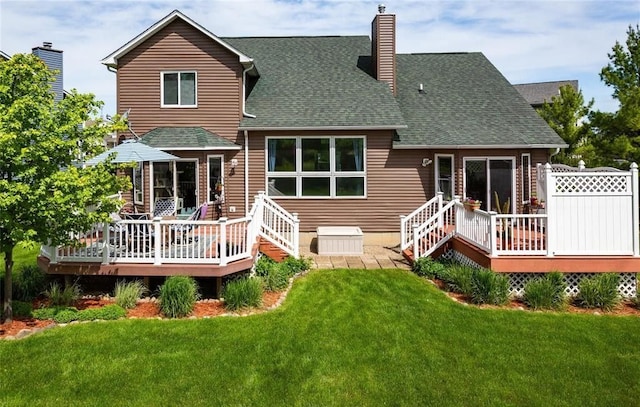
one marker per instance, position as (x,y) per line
(133,151)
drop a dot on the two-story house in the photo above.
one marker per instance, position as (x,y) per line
(341,130)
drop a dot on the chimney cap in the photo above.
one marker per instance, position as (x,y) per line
(381,8)
(47,44)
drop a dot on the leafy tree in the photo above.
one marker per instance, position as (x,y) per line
(566,115)
(618,134)
(43,195)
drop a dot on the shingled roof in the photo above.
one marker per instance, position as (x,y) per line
(186,138)
(316,83)
(465,103)
(538,92)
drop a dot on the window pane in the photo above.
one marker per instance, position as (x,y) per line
(445,184)
(281,155)
(315,186)
(350,186)
(188,88)
(282,186)
(170,96)
(315,154)
(349,154)
(526,177)
(137,184)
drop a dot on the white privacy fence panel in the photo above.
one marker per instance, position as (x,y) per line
(592,213)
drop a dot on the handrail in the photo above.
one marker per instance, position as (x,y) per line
(427,237)
(418,217)
(278,226)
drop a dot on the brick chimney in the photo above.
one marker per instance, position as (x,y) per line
(383,47)
(53,59)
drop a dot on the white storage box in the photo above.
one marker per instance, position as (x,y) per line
(339,240)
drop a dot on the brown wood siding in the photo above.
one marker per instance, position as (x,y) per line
(383,34)
(179,47)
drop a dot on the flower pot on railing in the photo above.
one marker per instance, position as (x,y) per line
(472,205)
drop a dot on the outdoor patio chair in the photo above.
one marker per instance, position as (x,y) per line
(165,207)
(182,229)
(139,235)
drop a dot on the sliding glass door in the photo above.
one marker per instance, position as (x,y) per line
(491,180)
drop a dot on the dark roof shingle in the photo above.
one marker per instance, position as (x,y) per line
(172,138)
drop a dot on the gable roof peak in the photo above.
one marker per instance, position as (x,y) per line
(111,60)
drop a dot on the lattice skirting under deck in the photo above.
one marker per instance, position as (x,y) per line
(517,281)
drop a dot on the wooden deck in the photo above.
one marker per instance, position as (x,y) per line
(544,264)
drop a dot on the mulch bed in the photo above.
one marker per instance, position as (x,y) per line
(144,309)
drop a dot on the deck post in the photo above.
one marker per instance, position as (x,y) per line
(222,243)
(414,232)
(550,186)
(493,233)
(296,235)
(635,203)
(105,243)
(440,221)
(403,233)
(157,244)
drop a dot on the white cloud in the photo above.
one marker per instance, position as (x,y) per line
(528,41)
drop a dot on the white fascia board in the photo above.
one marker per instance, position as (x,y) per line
(322,128)
(112,59)
(477,147)
(205,148)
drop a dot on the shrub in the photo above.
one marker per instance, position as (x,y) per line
(58,296)
(264,265)
(127,293)
(277,278)
(243,292)
(28,283)
(21,309)
(295,266)
(427,267)
(458,278)
(600,291)
(46,313)
(108,312)
(547,292)
(65,316)
(178,296)
(488,287)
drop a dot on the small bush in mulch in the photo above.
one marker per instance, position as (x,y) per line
(243,292)
(427,267)
(178,296)
(128,293)
(547,292)
(59,296)
(488,287)
(21,309)
(600,291)
(457,278)
(64,315)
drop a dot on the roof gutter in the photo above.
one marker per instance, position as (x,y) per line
(322,128)
(477,147)
(244,91)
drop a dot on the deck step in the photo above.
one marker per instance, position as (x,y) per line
(272,251)
(439,233)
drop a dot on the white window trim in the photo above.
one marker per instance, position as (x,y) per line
(137,201)
(437,172)
(332,174)
(525,172)
(179,105)
(487,159)
(209,186)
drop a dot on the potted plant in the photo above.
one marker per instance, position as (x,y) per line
(471,204)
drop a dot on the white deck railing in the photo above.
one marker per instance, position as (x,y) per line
(433,233)
(160,241)
(417,218)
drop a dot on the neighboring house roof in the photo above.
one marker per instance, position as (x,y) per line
(112,59)
(186,138)
(465,103)
(316,83)
(537,93)
(4,55)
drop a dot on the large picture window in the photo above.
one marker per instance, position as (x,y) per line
(179,89)
(313,167)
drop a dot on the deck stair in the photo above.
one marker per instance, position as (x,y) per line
(272,251)
(440,236)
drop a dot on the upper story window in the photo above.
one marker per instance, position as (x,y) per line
(179,89)
(316,167)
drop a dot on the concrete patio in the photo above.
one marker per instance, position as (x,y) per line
(374,257)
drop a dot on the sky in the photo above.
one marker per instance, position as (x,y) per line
(528,41)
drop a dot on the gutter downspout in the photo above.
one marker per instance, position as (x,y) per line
(554,153)
(246,173)
(246,139)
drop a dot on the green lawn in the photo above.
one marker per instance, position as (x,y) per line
(21,257)
(342,338)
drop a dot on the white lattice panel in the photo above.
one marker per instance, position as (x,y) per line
(601,183)
(627,286)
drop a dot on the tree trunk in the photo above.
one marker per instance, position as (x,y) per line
(8,292)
